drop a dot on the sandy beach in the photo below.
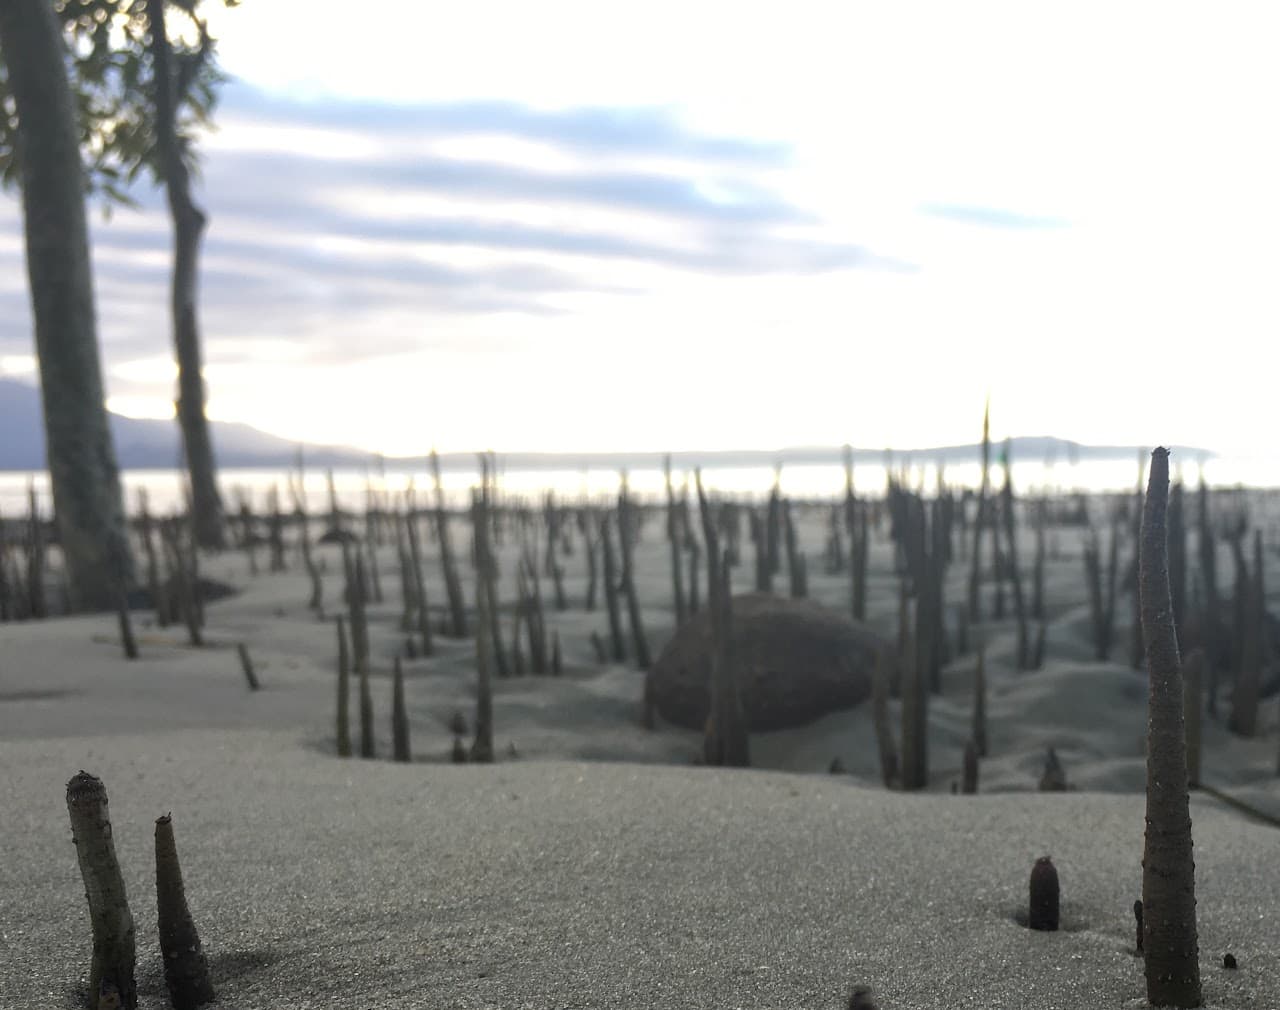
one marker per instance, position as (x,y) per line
(594,865)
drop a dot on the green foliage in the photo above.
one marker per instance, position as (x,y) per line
(109,66)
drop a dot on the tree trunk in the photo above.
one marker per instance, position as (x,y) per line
(82,460)
(188,226)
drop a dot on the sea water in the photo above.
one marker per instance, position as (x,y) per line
(809,481)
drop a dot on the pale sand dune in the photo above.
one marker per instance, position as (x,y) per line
(567,878)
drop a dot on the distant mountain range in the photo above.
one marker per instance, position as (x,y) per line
(154,445)
(150,444)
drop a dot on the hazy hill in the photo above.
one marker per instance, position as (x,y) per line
(149,444)
(152,444)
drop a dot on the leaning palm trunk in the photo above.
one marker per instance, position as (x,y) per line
(1168,872)
(82,459)
(188,227)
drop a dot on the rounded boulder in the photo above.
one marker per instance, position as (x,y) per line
(796,661)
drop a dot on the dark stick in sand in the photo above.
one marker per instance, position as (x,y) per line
(618,649)
(482,745)
(980,521)
(159,594)
(626,540)
(675,537)
(114,956)
(727,739)
(1135,638)
(1210,616)
(978,733)
(1044,895)
(969,777)
(180,561)
(885,743)
(127,640)
(915,760)
(1192,675)
(344,690)
(360,648)
(296,490)
(452,584)
(186,973)
(38,606)
(1168,872)
(275,530)
(587,526)
(1011,559)
(419,586)
(246,664)
(486,625)
(861,999)
(399,716)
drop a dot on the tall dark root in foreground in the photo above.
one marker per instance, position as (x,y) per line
(114,959)
(1168,872)
(186,973)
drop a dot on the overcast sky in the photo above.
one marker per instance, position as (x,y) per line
(596,226)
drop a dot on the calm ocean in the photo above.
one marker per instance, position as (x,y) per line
(809,481)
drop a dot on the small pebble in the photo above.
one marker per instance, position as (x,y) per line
(1229,962)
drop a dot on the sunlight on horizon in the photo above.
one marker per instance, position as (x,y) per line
(525,239)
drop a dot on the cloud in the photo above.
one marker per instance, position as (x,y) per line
(371,244)
(631,131)
(256,174)
(990,217)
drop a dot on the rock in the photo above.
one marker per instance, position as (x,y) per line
(796,661)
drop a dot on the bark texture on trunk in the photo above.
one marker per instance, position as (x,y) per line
(188,228)
(1168,872)
(82,460)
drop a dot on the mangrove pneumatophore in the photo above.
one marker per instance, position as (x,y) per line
(1168,873)
(114,957)
(399,715)
(861,999)
(186,972)
(1043,910)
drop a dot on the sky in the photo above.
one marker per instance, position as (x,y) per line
(671,226)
